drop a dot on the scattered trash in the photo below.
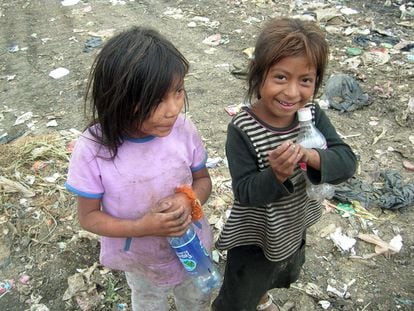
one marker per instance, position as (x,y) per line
(249,52)
(212,162)
(409,166)
(325,304)
(52,179)
(349,209)
(13,49)
(396,194)
(342,241)
(58,73)
(353,51)
(92,43)
(52,123)
(376,57)
(23,118)
(342,292)
(233,109)
(83,289)
(40,165)
(393,195)
(69,2)
(10,186)
(382,247)
(39,307)
(24,279)
(311,289)
(343,93)
(5,287)
(121,306)
(213,40)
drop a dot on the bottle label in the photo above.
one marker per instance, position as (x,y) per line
(194,257)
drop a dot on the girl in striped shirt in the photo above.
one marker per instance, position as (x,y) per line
(266,230)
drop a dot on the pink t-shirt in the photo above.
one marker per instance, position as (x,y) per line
(145,171)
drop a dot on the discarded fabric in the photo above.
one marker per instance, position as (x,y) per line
(347,89)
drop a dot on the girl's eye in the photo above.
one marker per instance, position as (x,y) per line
(180,91)
(280,77)
(307,80)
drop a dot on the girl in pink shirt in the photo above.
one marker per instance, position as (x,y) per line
(127,164)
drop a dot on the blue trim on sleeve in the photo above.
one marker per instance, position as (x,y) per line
(83,194)
(127,244)
(201,165)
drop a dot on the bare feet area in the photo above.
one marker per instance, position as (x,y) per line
(359,256)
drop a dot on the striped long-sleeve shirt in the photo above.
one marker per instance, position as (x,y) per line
(265,212)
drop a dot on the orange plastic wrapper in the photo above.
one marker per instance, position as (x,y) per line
(196,210)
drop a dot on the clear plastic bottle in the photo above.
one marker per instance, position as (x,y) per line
(196,260)
(310,137)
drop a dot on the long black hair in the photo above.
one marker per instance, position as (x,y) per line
(128,79)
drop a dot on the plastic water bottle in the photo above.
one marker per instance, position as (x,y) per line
(310,137)
(196,260)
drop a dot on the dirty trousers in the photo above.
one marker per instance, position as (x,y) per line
(147,296)
(249,275)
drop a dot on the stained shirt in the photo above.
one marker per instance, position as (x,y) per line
(144,171)
(268,213)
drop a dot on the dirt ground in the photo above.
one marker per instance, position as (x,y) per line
(48,263)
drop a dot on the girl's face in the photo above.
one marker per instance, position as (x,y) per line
(162,120)
(288,86)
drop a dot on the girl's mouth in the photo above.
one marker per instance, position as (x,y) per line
(285,104)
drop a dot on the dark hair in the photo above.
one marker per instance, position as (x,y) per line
(128,79)
(282,38)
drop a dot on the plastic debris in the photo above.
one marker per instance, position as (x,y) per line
(213,162)
(58,73)
(23,118)
(92,43)
(393,195)
(39,307)
(121,306)
(342,241)
(249,52)
(353,51)
(233,109)
(69,2)
(325,304)
(13,49)
(342,292)
(347,90)
(24,279)
(5,287)
(376,57)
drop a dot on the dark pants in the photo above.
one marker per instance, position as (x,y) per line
(249,275)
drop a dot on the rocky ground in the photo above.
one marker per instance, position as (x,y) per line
(48,263)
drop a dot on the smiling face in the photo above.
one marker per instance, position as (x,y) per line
(161,121)
(287,87)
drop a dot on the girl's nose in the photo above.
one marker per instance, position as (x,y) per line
(292,90)
(173,106)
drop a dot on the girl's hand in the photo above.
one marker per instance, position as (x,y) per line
(306,154)
(310,157)
(170,217)
(167,222)
(284,159)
